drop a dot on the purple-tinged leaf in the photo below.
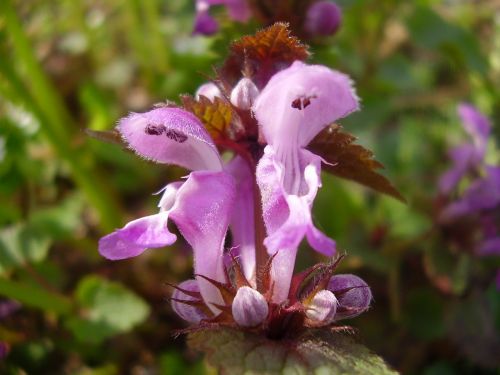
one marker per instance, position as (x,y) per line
(351,161)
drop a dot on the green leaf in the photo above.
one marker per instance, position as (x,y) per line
(108,309)
(430,30)
(29,242)
(20,244)
(60,221)
(319,352)
(32,295)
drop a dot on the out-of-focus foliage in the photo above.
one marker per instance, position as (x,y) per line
(70,65)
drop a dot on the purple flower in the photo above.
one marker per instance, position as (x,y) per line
(295,105)
(205,24)
(468,156)
(479,202)
(217,196)
(323,18)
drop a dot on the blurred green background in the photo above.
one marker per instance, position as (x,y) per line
(68,65)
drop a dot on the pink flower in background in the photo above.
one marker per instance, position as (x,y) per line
(480,201)
(323,18)
(205,24)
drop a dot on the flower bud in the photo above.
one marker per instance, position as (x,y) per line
(353,294)
(249,307)
(322,307)
(187,312)
(205,24)
(323,18)
(244,93)
(209,89)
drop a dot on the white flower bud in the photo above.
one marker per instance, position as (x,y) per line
(322,307)
(209,89)
(249,307)
(244,93)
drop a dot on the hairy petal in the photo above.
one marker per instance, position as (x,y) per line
(170,135)
(202,213)
(242,219)
(298,102)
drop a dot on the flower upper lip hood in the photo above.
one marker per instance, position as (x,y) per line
(172,136)
(298,102)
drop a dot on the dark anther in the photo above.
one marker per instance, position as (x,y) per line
(176,136)
(302,102)
(154,129)
(297,103)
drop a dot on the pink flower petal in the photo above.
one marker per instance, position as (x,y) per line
(137,236)
(299,101)
(170,135)
(202,213)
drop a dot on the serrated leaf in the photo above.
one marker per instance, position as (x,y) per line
(265,53)
(215,115)
(108,309)
(319,352)
(351,161)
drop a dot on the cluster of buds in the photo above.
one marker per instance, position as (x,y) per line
(316,299)
(307,18)
(263,110)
